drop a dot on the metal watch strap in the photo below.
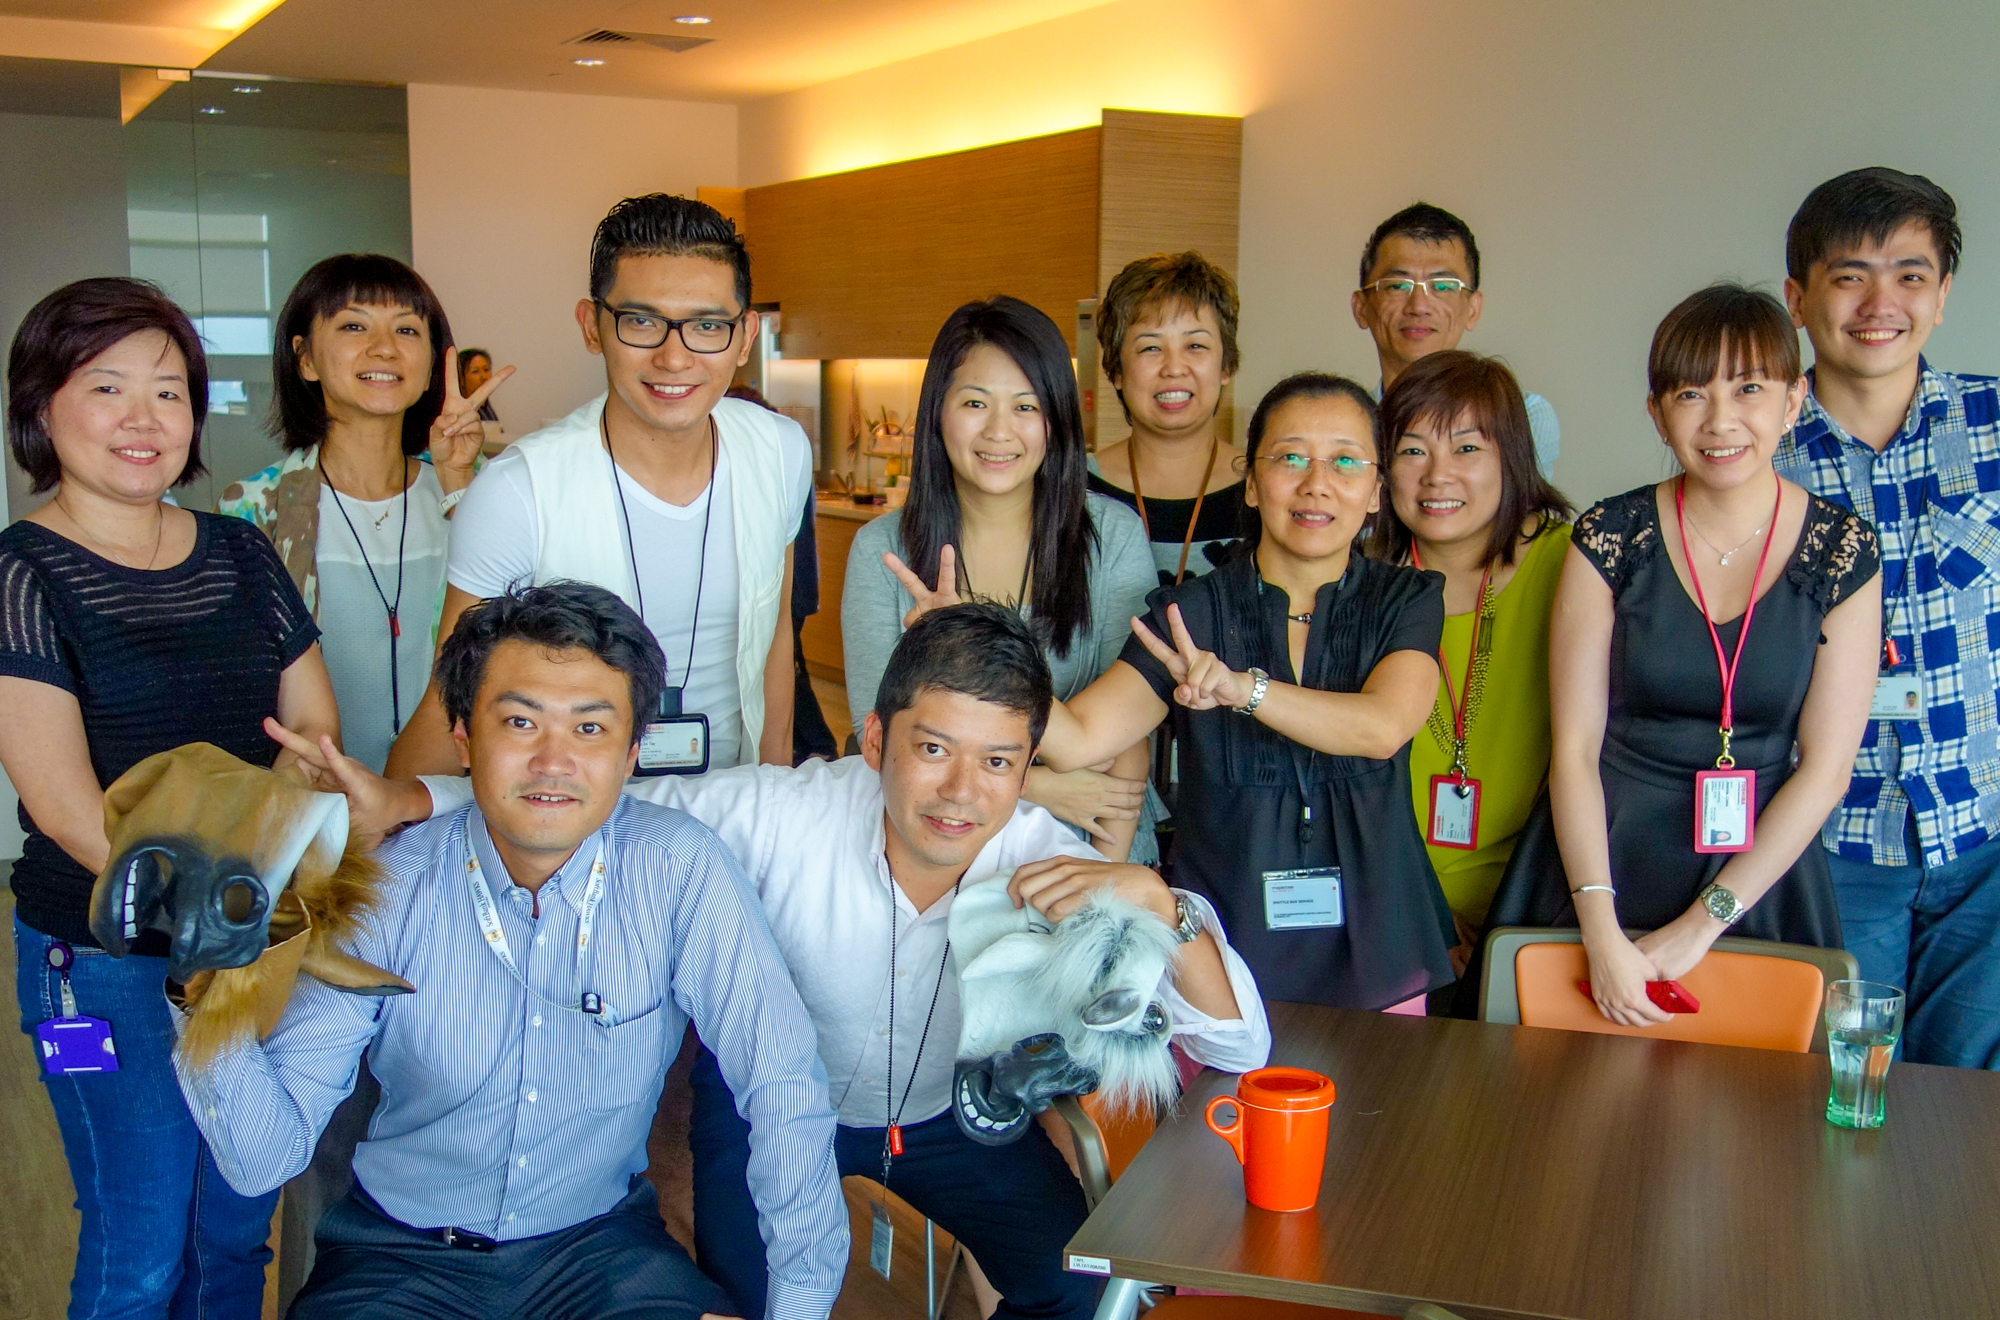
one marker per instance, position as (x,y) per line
(1713,891)
(1190,925)
(1260,685)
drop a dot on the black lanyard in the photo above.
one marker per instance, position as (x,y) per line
(673,694)
(394,609)
(892,1135)
(1892,595)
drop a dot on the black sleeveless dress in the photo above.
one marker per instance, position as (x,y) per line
(1243,787)
(1660,728)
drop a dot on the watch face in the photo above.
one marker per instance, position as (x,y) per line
(1722,904)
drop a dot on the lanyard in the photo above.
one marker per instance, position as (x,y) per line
(1727,666)
(892,1137)
(1461,701)
(1139,497)
(632,552)
(488,912)
(1892,593)
(394,609)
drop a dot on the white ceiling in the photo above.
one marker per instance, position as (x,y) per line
(758,47)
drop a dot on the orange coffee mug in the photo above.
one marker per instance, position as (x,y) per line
(1279,1135)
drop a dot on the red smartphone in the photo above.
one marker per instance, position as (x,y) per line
(1667,996)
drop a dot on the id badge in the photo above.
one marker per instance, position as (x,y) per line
(1454,813)
(1898,697)
(1305,899)
(1725,816)
(77,1045)
(881,1239)
(675,746)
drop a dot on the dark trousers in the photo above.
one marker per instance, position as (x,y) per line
(620,1264)
(1013,1207)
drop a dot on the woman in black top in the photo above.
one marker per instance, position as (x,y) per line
(1725,568)
(1295,822)
(129,626)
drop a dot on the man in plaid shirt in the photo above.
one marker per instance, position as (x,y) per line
(1916,845)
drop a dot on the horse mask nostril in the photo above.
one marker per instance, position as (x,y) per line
(240,902)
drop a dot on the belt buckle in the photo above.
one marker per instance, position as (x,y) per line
(465,1240)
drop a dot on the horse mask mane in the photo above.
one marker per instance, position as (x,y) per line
(1057,1010)
(248,874)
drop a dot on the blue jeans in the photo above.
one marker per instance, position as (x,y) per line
(1935,933)
(163,1235)
(1013,1207)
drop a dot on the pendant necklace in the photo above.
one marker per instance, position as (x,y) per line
(159,532)
(1722,556)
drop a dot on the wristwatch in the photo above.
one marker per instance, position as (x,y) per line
(1261,683)
(1189,929)
(1724,906)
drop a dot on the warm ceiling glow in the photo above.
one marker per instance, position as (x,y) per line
(233,16)
(694,20)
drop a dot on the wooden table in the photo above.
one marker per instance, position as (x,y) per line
(1520,1172)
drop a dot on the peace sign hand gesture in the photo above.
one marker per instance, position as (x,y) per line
(927,600)
(457,432)
(1204,681)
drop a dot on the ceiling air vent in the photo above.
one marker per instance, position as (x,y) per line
(664,41)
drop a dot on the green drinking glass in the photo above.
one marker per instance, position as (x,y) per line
(1864,1020)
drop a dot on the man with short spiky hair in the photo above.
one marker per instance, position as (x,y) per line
(1915,848)
(1419,294)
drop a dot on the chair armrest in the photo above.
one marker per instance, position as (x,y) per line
(1092,1168)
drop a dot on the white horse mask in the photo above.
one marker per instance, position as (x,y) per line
(1062,1010)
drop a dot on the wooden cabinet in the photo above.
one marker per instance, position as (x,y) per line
(834,526)
(868,264)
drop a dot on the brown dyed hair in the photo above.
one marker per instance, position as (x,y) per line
(1438,390)
(1730,327)
(1184,279)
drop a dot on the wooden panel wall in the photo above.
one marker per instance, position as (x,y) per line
(869,263)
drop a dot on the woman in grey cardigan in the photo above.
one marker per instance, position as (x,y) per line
(997,503)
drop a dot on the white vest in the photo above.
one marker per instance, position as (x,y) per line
(580,536)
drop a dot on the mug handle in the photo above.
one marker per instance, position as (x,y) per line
(1233,1134)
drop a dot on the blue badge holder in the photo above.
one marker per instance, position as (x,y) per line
(73,1043)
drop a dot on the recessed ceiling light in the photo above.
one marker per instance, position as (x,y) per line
(694,20)
(588,64)
(213,110)
(248,89)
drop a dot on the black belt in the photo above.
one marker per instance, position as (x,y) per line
(464,1239)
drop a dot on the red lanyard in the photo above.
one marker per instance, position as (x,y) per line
(1726,665)
(1461,701)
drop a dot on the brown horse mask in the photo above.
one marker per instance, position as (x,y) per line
(250,877)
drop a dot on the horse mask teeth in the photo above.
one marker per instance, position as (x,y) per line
(215,912)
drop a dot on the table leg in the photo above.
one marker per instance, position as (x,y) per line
(1120,1300)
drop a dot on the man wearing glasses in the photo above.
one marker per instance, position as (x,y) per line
(1420,293)
(680,500)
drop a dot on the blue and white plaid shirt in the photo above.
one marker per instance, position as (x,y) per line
(1934,497)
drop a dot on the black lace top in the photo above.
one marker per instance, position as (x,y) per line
(155,659)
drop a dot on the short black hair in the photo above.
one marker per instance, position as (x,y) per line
(559,616)
(1426,224)
(365,279)
(67,329)
(1868,205)
(1727,329)
(663,225)
(979,650)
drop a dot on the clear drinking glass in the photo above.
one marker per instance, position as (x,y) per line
(1864,1020)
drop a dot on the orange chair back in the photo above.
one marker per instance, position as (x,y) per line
(1746,999)
(1123,1133)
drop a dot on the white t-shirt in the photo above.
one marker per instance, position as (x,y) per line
(495,542)
(354,625)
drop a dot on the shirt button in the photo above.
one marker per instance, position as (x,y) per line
(531,1097)
(521,1163)
(536,1019)
(541,939)
(510,1219)
(882,1031)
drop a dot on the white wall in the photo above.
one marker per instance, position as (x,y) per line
(506,189)
(1611,158)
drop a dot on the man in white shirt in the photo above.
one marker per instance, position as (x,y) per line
(678,499)
(861,856)
(1419,295)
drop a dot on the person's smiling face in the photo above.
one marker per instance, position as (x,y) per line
(1725,430)
(1170,368)
(368,360)
(1870,308)
(669,388)
(952,768)
(995,431)
(549,744)
(1445,481)
(1407,327)
(122,423)
(1314,514)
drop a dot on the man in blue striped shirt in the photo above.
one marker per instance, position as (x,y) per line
(560,936)
(1916,845)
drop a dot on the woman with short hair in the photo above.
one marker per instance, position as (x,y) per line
(129,626)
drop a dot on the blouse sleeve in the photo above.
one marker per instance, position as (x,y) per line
(1611,532)
(1125,577)
(29,644)
(1852,554)
(1197,611)
(1418,623)
(290,622)
(872,605)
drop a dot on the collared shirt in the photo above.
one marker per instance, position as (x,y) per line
(1934,496)
(811,840)
(509,1115)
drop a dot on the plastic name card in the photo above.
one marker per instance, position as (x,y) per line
(881,1240)
(676,746)
(1898,697)
(1454,813)
(1305,899)
(1725,818)
(77,1045)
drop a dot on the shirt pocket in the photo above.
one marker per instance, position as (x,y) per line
(1968,539)
(624,1064)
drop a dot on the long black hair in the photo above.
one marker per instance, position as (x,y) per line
(1062,541)
(298,405)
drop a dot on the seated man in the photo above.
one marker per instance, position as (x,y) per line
(560,935)
(858,861)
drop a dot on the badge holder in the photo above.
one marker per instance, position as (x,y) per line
(1454,811)
(1897,696)
(73,1043)
(673,744)
(1725,806)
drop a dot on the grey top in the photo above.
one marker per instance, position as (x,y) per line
(873,603)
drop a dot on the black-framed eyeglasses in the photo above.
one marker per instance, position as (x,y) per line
(701,334)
